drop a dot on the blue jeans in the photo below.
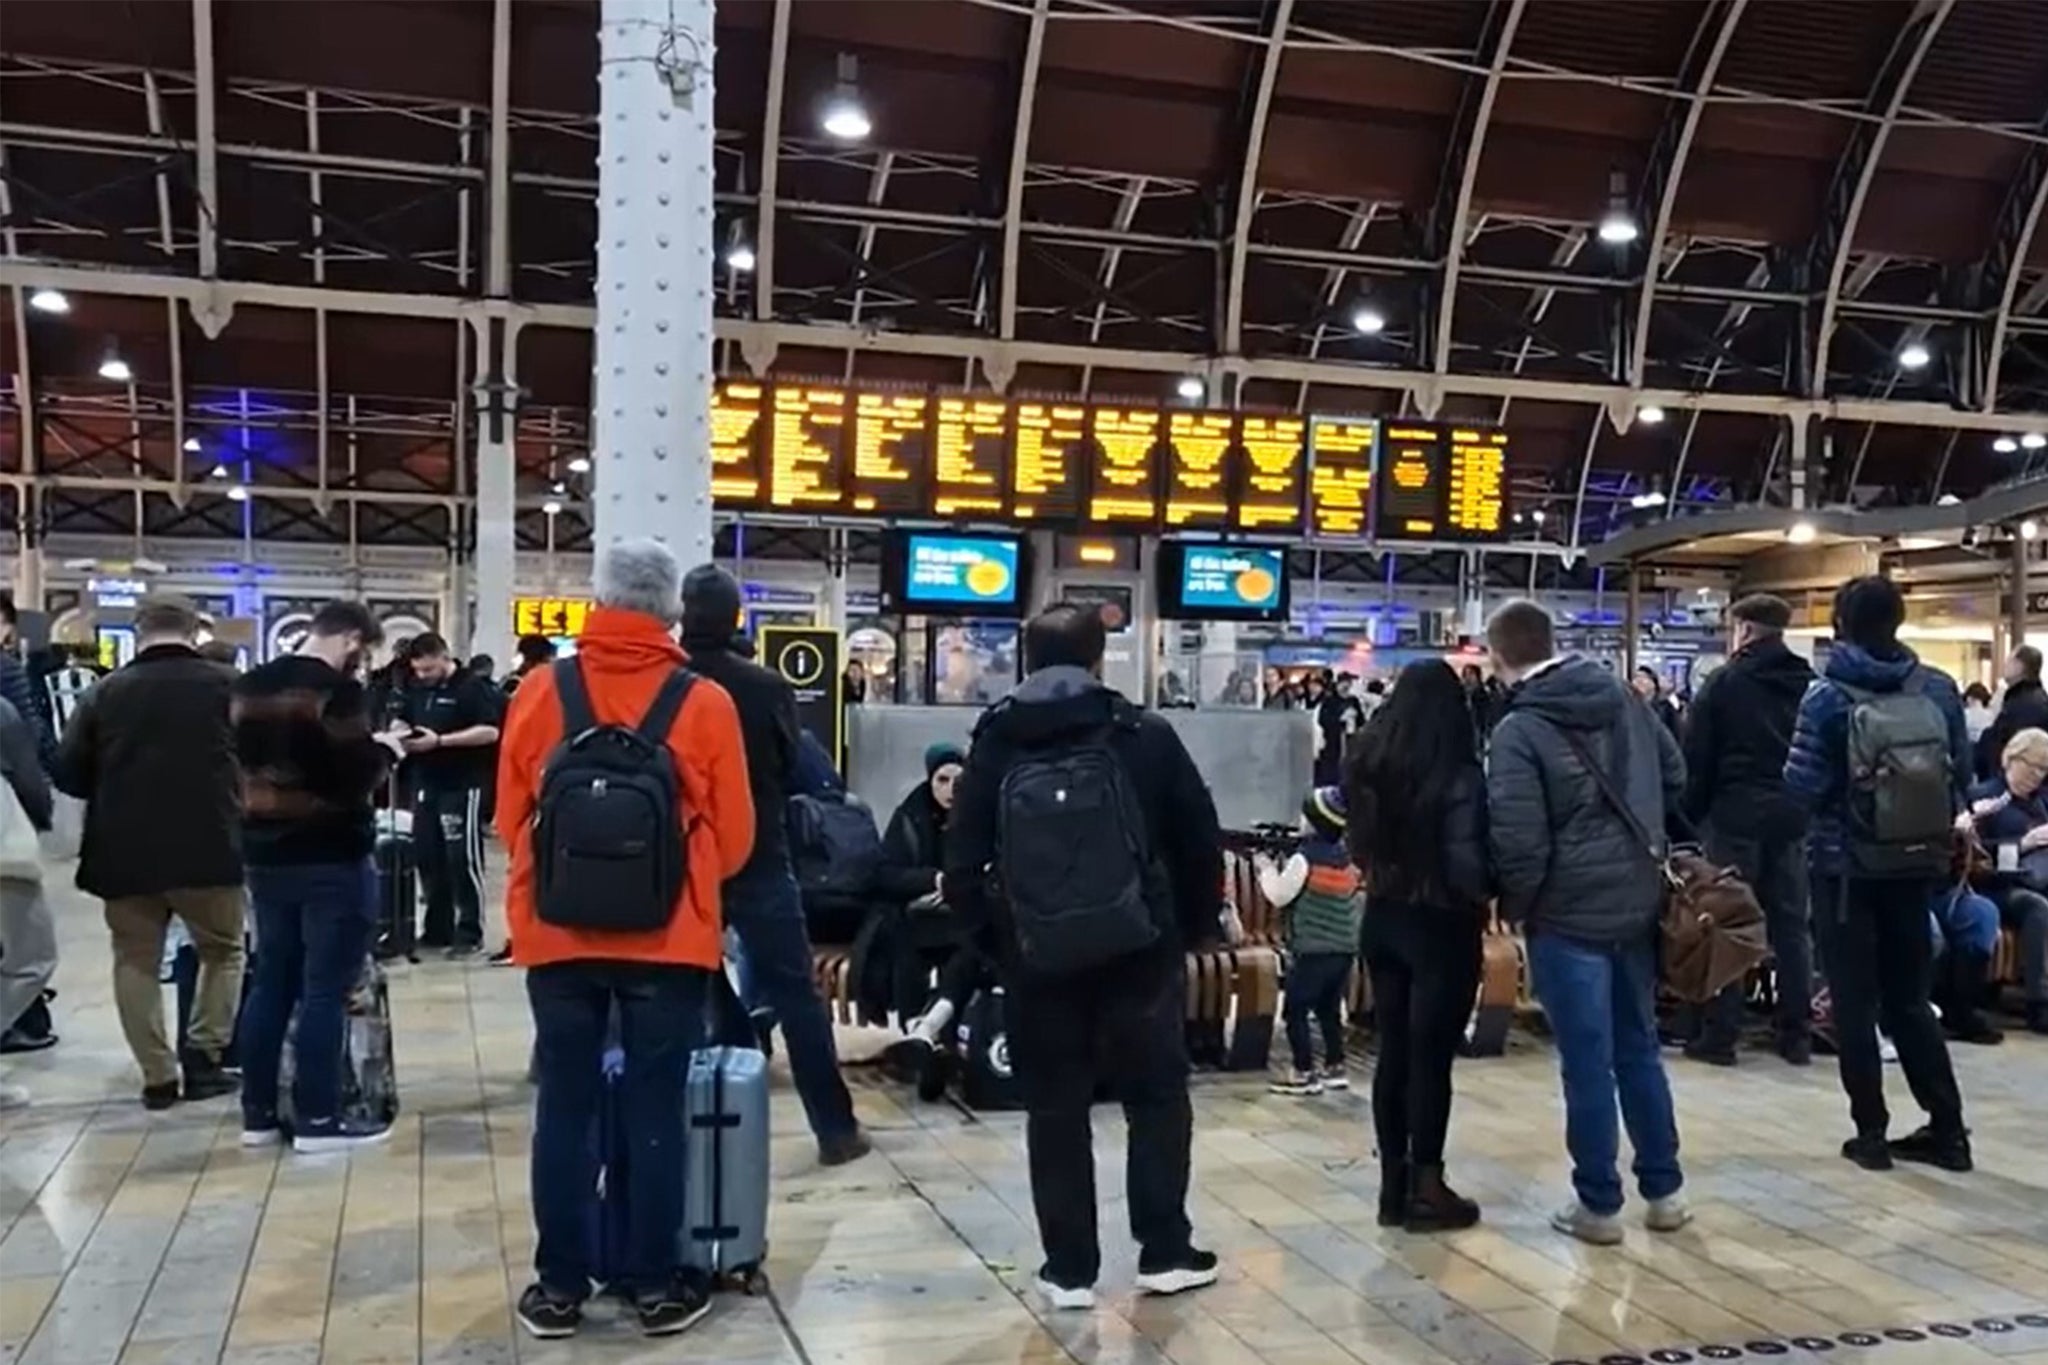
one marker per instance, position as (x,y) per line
(661,1021)
(313,927)
(765,910)
(1601,1002)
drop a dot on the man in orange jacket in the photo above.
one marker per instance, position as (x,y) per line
(657,977)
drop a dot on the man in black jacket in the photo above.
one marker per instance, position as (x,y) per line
(2025,708)
(152,754)
(1578,779)
(1121,1021)
(762,904)
(1735,748)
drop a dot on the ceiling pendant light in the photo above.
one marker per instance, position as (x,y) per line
(1618,224)
(1367,320)
(112,367)
(1915,356)
(844,116)
(49,301)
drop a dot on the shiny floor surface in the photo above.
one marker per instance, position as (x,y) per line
(154,1239)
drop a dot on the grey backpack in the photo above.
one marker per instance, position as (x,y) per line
(1901,793)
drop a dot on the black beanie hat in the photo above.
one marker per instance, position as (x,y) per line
(940,754)
(711,605)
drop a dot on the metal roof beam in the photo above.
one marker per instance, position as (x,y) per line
(771,163)
(1020,150)
(498,204)
(206,82)
(1849,189)
(1998,274)
(1453,210)
(1666,168)
(1245,206)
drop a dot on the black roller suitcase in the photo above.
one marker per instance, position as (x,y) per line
(398,888)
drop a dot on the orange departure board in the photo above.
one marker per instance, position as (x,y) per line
(1269,483)
(1476,484)
(891,451)
(970,439)
(736,430)
(1197,460)
(1340,453)
(1047,460)
(1411,482)
(1125,484)
(807,450)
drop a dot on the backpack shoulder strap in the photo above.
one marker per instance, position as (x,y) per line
(1915,682)
(576,713)
(666,706)
(1612,797)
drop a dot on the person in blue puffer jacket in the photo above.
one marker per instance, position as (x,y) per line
(1873,930)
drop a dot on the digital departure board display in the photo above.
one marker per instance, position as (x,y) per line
(1197,460)
(1340,454)
(1476,485)
(1124,487)
(1046,461)
(736,431)
(1411,482)
(1271,473)
(971,439)
(891,452)
(807,450)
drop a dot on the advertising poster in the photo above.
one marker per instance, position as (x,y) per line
(1232,578)
(957,571)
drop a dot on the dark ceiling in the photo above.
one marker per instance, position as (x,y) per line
(1838,178)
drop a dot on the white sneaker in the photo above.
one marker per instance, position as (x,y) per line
(1576,1220)
(13,1096)
(1668,1214)
(1292,1082)
(1336,1078)
(338,1142)
(1067,1300)
(1887,1050)
(263,1137)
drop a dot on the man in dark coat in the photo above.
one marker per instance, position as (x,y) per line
(1735,749)
(1584,879)
(1873,928)
(2025,708)
(762,903)
(1122,1021)
(151,752)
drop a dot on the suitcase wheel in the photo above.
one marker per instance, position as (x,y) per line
(749,1280)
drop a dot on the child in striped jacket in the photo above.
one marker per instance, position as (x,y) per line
(1318,892)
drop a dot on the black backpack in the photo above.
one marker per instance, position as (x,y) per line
(1073,856)
(608,847)
(834,848)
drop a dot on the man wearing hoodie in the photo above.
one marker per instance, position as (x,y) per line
(1583,877)
(1870,893)
(1066,764)
(1735,785)
(762,903)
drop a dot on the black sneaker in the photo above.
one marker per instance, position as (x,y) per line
(462,952)
(1950,1151)
(1870,1151)
(14,1040)
(1713,1054)
(206,1078)
(547,1315)
(1191,1269)
(1796,1048)
(158,1097)
(503,957)
(845,1148)
(675,1309)
(2037,1016)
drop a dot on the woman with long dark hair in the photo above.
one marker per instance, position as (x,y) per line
(1417,825)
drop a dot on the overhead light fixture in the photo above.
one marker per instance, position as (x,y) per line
(49,301)
(1801,533)
(113,367)
(238,494)
(1537,516)
(1921,542)
(1915,356)
(1947,500)
(220,471)
(1191,388)
(2004,445)
(844,116)
(2029,529)
(1650,497)
(740,257)
(552,507)
(2033,440)
(1368,320)
(579,464)
(559,488)
(1618,225)
(191,445)
(1650,415)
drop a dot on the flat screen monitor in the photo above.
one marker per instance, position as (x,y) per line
(943,573)
(1211,581)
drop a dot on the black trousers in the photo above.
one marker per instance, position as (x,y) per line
(1880,967)
(1315,989)
(448,841)
(1424,961)
(1121,1024)
(1776,870)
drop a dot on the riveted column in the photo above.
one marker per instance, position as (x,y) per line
(651,395)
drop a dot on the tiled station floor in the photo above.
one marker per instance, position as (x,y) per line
(155,1240)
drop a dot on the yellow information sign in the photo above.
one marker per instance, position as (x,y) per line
(555,617)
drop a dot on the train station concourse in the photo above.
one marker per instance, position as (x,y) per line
(1005,682)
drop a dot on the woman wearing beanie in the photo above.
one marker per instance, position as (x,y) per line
(1417,800)
(913,850)
(1316,890)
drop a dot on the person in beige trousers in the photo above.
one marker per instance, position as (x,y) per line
(151,752)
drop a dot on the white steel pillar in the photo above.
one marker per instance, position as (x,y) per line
(494,546)
(651,446)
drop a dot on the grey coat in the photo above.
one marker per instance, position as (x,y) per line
(1565,862)
(22,767)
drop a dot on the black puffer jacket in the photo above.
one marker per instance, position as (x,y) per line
(2025,708)
(913,848)
(1742,722)
(768,728)
(1566,863)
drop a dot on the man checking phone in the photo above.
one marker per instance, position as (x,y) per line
(449,730)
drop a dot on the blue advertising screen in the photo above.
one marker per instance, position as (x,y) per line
(960,571)
(1231,578)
